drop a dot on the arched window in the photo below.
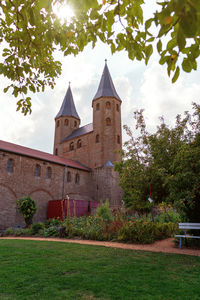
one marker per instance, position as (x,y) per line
(48,173)
(57,123)
(66,122)
(108,121)
(79,144)
(97,106)
(117,107)
(37,172)
(71,146)
(77,179)
(10,165)
(118,139)
(97,138)
(56,151)
(108,105)
(69,178)
(75,123)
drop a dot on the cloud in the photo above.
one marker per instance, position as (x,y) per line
(162,98)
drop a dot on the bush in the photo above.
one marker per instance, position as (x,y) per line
(103,211)
(51,231)
(37,228)
(27,207)
(145,232)
(53,222)
(9,231)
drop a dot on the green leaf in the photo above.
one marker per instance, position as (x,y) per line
(186,65)
(180,38)
(176,75)
(159,46)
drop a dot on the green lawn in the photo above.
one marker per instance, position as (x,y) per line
(53,270)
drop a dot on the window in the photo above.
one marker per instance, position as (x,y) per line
(77,179)
(97,106)
(37,172)
(108,105)
(118,139)
(58,123)
(79,144)
(117,107)
(56,151)
(75,123)
(97,138)
(66,122)
(108,121)
(10,166)
(71,146)
(48,173)
(69,178)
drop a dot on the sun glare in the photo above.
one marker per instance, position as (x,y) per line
(64,12)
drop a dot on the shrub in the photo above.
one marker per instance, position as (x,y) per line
(104,211)
(51,231)
(9,231)
(27,207)
(36,228)
(53,222)
(140,231)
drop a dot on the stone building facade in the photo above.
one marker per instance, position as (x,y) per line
(82,163)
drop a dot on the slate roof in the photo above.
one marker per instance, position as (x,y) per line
(106,87)
(17,149)
(68,107)
(79,131)
(109,164)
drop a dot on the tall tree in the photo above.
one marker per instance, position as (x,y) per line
(32,31)
(164,165)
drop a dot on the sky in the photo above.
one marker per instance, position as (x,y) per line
(139,86)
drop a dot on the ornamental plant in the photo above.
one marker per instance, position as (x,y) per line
(27,207)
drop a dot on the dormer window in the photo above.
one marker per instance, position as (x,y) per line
(108,105)
(58,123)
(79,144)
(66,122)
(117,107)
(71,146)
(97,106)
(108,121)
(75,123)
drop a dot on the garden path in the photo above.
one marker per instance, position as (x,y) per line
(166,246)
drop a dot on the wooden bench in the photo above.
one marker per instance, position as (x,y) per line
(185,227)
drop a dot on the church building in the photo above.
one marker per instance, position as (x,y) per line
(81,165)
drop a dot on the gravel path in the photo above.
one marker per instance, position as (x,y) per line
(166,246)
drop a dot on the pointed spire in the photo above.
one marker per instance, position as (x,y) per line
(106,87)
(68,108)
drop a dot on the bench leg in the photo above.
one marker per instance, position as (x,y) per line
(180,242)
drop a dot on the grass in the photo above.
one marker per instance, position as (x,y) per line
(53,270)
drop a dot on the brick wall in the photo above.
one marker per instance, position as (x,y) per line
(22,182)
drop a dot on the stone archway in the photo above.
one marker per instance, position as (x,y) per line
(8,207)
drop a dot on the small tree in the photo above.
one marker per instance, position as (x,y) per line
(27,207)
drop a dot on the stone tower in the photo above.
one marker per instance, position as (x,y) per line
(106,121)
(66,121)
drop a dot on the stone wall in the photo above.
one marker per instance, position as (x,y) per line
(22,182)
(106,186)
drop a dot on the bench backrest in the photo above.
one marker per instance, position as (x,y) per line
(189,225)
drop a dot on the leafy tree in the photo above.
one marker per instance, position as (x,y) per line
(32,32)
(165,163)
(27,207)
